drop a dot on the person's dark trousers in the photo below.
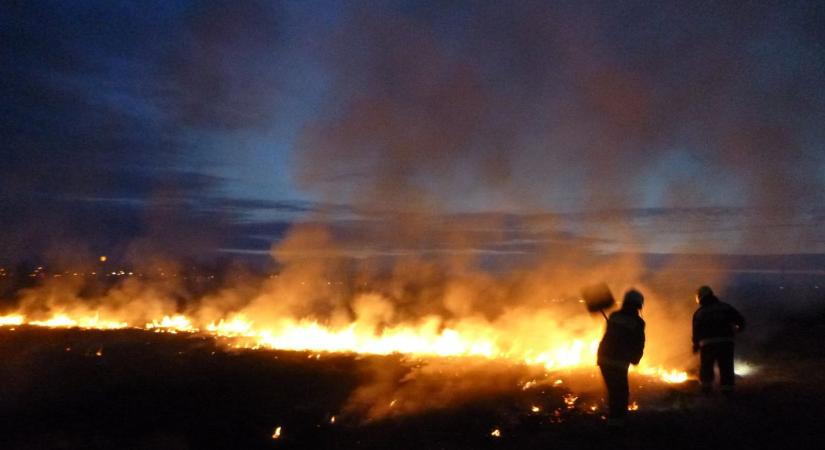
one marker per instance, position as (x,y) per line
(720,353)
(618,390)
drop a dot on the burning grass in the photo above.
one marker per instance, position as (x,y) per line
(427,338)
(132,388)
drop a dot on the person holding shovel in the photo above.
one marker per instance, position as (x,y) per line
(623,344)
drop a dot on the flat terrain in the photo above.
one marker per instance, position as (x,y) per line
(131,389)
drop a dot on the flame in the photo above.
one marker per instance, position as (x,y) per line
(566,355)
(667,375)
(427,337)
(172,324)
(63,320)
(495,433)
(277,433)
(14,319)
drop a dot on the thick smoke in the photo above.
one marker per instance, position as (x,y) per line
(522,110)
(572,108)
(494,159)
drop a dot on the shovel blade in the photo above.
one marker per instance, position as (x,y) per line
(598,297)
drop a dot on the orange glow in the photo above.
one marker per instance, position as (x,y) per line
(62,320)
(548,348)
(14,319)
(666,375)
(172,324)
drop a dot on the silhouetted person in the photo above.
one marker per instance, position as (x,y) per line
(714,325)
(621,346)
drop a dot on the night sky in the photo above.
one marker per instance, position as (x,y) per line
(198,129)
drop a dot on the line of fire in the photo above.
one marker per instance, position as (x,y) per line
(412,224)
(521,371)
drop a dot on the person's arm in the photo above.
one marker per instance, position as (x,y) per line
(695,337)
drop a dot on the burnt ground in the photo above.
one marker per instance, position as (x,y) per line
(131,389)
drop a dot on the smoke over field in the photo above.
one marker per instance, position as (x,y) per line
(409,196)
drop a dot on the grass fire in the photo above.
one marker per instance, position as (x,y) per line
(276,224)
(178,384)
(427,339)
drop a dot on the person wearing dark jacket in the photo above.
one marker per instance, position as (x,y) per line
(622,345)
(714,326)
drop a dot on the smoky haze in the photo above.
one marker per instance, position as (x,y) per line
(565,140)
(574,108)
(539,111)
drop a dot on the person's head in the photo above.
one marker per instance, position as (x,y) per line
(633,300)
(704,292)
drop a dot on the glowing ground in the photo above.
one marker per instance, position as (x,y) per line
(69,388)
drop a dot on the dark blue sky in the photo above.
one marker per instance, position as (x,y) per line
(182,128)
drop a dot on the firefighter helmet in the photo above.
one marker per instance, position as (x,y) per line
(633,299)
(703,292)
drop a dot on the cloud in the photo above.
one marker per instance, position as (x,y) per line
(417,109)
(222,69)
(100,101)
